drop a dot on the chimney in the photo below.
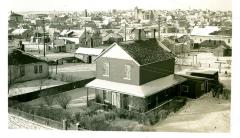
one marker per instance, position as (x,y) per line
(139,34)
(154,33)
(22,47)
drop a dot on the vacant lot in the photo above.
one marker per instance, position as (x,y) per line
(77,71)
(206,114)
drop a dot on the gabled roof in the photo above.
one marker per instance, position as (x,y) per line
(112,35)
(204,31)
(148,51)
(18,31)
(18,57)
(59,42)
(144,51)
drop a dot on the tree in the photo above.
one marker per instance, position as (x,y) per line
(63,100)
(48,99)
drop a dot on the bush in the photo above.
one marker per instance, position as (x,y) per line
(153,118)
(48,99)
(110,115)
(12,103)
(63,100)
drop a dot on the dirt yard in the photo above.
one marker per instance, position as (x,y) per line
(206,114)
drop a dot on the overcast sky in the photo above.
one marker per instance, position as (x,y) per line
(79,5)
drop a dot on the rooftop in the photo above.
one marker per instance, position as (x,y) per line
(146,52)
(18,57)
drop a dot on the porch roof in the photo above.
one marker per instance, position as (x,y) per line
(144,90)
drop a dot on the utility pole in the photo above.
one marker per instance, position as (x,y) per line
(159,28)
(85,28)
(125,32)
(44,48)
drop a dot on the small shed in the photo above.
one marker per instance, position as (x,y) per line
(88,54)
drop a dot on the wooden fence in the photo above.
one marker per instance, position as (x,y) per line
(51,91)
(38,119)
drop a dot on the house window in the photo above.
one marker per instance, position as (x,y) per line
(200,40)
(127,72)
(40,69)
(22,70)
(107,96)
(209,40)
(35,69)
(202,87)
(185,88)
(220,41)
(229,40)
(106,69)
(215,42)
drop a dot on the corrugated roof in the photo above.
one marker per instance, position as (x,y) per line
(204,31)
(89,51)
(144,90)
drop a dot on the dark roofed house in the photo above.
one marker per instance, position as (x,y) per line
(111,38)
(135,75)
(23,67)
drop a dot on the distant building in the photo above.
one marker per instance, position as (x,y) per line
(140,14)
(111,38)
(204,36)
(24,67)
(16,17)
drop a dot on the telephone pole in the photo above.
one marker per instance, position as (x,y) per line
(44,47)
(125,32)
(159,28)
(85,28)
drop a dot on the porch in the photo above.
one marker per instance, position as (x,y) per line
(136,98)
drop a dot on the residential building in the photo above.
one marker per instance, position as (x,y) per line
(24,67)
(135,75)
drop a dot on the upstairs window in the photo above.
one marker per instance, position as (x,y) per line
(35,69)
(127,72)
(106,69)
(40,69)
(22,70)
(229,40)
(185,88)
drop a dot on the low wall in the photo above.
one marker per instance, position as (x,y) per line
(150,117)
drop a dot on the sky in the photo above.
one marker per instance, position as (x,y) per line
(94,5)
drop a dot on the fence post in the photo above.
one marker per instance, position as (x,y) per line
(78,126)
(64,123)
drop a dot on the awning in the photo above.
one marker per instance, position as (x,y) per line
(144,90)
(89,51)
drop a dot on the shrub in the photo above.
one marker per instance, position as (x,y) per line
(110,115)
(98,98)
(12,103)
(48,99)
(63,100)
(97,122)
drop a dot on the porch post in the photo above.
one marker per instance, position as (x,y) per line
(87,96)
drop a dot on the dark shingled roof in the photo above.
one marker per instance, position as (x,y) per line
(146,51)
(18,57)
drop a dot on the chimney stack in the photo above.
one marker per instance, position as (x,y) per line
(22,47)
(154,33)
(139,34)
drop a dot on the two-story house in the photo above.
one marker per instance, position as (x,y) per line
(135,75)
